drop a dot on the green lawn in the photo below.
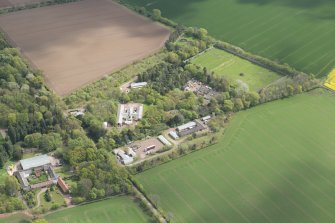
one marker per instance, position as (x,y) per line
(298,32)
(57,199)
(3,172)
(232,67)
(120,209)
(18,218)
(32,179)
(275,163)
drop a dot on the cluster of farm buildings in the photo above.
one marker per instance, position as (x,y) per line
(140,149)
(200,89)
(130,113)
(37,172)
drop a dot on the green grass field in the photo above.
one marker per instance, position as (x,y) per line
(298,32)
(120,209)
(275,163)
(17,218)
(57,199)
(231,67)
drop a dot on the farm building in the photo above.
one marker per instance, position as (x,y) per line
(138,85)
(77,112)
(36,172)
(164,140)
(36,161)
(123,157)
(131,152)
(63,186)
(206,119)
(128,113)
(190,128)
(189,125)
(173,135)
(200,89)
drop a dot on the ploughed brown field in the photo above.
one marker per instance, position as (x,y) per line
(76,43)
(8,3)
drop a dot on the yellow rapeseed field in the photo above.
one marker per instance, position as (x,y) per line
(330,82)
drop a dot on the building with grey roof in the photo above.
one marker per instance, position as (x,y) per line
(138,85)
(36,161)
(164,140)
(186,126)
(173,135)
(190,128)
(33,167)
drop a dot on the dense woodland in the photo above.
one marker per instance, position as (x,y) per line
(34,118)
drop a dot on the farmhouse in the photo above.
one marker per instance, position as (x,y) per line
(138,85)
(128,113)
(36,172)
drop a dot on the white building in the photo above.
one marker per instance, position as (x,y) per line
(138,85)
(206,119)
(128,113)
(174,135)
(124,158)
(131,152)
(189,125)
(164,140)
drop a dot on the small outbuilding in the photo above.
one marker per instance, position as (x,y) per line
(164,140)
(63,186)
(138,85)
(173,135)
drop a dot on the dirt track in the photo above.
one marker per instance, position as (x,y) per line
(77,43)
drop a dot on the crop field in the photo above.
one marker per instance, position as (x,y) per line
(275,163)
(234,68)
(330,82)
(77,43)
(120,209)
(298,32)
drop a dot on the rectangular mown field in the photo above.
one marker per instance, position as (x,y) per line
(236,69)
(298,32)
(77,43)
(275,163)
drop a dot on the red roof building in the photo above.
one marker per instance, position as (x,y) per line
(63,185)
